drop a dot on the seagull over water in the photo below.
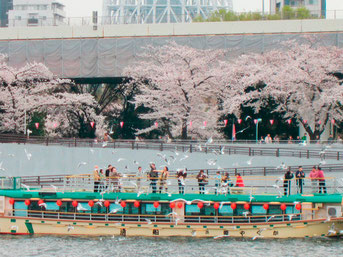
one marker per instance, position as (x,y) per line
(28,154)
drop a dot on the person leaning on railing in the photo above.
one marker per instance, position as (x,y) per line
(321,180)
(96,177)
(153,176)
(313,176)
(300,175)
(163,179)
(202,181)
(181,176)
(287,182)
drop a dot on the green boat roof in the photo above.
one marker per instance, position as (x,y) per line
(315,198)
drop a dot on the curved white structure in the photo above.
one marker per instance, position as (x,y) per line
(160,11)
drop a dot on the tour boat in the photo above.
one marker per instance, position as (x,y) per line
(73,208)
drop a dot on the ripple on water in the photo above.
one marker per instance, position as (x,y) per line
(176,246)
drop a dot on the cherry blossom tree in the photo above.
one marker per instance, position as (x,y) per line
(179,86)
(300,78)
(34,89)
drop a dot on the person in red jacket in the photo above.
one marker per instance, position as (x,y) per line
(321,179)
(239,180)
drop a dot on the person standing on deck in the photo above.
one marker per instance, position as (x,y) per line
(202,180)
(181,176)
(153,176)
(314,179)
(321,180)
(300,175)
(217,181)
(163,179)
(239,180)
(287,182)
(139,176)
(96,177)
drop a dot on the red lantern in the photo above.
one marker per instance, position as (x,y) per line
(266,206)
(271,122)
(283,207)
(205,123)
(298,206)
(92,124)
(40,202)
(156,204)
(225,122)
(172,205)
(239,121)
(27,202)
(233,206)
(37,125)
(107,204)
(123,204)
(74,204)
(156,124)
(58,202)
(333,121)
(246,206)
(305,121)
(319,122)
(289,121)
(11,201)
(121,124)
(216,206)
(179,205)
(200,205)
(136,204)
(91,203)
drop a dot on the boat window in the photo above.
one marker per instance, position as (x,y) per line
(192,209)
(258,210)
(226,210)
(20,209)
(204,211)
(289,210)
(117,207)
(240,209)
(131,209)
(52,206)
(274,209)
(149,208)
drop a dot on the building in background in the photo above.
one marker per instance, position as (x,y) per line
(316,7)
(36,13)
(160,11)
(5,6)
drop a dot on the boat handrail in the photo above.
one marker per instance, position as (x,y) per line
(267,217)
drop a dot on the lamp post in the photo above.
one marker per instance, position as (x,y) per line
(257,121)
(262,8)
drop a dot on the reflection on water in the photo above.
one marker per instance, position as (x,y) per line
(178,246)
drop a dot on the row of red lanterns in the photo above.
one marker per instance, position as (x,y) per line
(172,205)
(289,121)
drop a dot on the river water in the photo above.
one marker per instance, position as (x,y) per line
(179,246)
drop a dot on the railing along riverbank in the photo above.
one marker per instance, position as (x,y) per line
(323,151)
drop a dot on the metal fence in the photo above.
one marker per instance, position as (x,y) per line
(322,152)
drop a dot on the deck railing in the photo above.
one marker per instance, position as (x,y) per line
(154,218)
(254,185)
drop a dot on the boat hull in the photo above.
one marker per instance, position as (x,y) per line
(289,229)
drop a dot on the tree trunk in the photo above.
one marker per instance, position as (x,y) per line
(184,130)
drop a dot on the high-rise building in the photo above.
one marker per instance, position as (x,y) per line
(36,13)
(160,11)
(317,8)
(5,6)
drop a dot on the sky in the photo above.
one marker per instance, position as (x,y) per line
(84,8)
